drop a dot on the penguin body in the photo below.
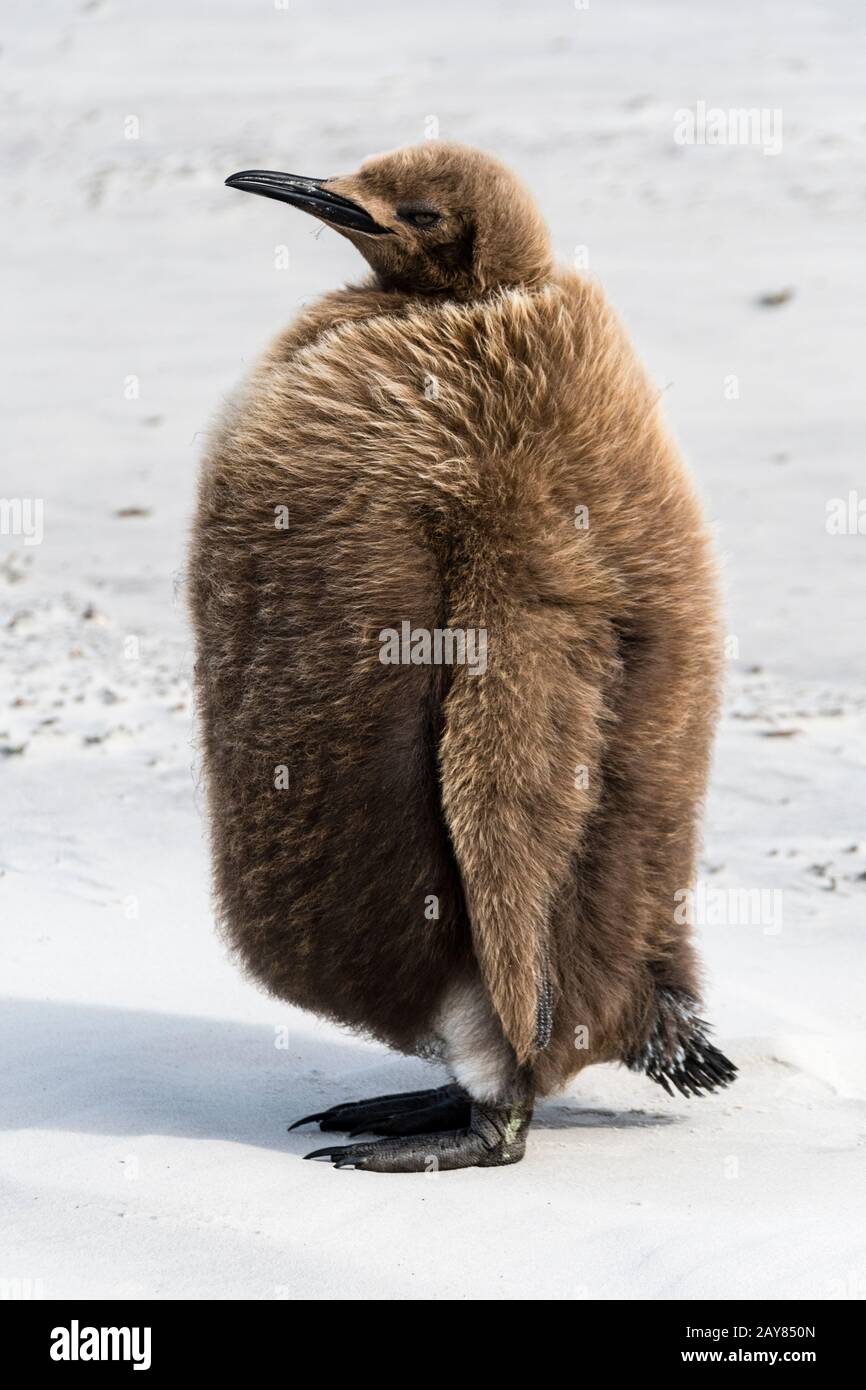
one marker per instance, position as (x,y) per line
(458,668)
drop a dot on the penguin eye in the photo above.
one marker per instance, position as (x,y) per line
(419,217)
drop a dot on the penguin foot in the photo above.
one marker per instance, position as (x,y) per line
(678,1052)
(495,1136)
(407,1112)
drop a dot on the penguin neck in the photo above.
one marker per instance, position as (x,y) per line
(394,295)
(368,300)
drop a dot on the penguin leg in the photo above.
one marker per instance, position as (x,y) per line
(494,1137)
(491,1102)
(409,1112)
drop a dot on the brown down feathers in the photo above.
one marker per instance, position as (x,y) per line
(550,805)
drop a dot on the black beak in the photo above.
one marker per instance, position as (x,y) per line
(311,195)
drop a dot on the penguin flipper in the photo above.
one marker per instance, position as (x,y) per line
(520,761)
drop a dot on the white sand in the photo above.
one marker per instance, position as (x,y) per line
(144,1098)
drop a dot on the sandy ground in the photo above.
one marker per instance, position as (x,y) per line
(146,1087)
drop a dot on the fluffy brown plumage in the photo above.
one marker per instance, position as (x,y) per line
(433,434)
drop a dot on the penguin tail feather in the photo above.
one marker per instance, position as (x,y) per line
(678,1054)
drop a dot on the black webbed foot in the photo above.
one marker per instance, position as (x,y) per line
(409,1112)
(495,1136)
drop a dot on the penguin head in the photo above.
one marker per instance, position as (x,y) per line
(436,219)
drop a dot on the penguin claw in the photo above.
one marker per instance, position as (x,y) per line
(307,1120)
(425,1153)
(494,1137)
(410,1112)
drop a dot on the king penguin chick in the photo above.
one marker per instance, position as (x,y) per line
(458,668)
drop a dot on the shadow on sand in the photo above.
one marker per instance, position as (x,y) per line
(96,1070)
